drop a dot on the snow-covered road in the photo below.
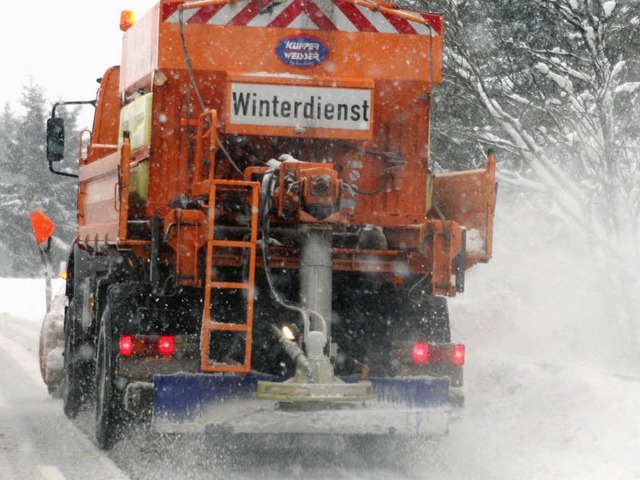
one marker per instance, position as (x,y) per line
(36,439)
(552,387)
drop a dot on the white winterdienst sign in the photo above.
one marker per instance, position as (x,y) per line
(300,106)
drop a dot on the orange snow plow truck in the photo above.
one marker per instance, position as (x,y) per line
(262,246)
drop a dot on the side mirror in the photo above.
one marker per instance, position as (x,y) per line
(55,139)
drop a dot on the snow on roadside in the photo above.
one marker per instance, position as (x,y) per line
(26,357)
(552,376)
(547,294)
(24,297)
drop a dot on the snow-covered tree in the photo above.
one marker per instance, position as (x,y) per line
(553,84)
(26,183)
(8,143)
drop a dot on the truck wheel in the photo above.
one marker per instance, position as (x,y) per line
(42,355)
(75,380)
(110,415)
(54,388)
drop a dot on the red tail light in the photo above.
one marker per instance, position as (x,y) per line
(147,345)
(458,354)
(126,345)
(420,354)
(166,345)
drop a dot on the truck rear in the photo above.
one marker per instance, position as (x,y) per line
(262,246)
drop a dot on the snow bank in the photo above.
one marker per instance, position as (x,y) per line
(548,294)
(23,298)
(552,376)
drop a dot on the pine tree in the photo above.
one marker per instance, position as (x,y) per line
(27,183)
(33,142)
(8,141)
(9,198)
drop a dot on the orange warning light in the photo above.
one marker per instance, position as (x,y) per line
(127,19)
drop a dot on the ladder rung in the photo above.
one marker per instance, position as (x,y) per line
(230,327)
(230,285)
(225,367)
(231,243)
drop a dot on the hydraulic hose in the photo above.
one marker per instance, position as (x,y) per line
(266,192)
(297,355)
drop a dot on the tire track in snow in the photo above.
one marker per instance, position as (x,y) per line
(26,359)
(28,417)
(25,327)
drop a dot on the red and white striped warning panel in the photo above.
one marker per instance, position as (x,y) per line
(336,15)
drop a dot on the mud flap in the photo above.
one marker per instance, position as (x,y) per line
(225,404)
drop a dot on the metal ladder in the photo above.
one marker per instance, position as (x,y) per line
(209,325)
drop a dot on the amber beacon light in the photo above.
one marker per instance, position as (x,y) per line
(127,19)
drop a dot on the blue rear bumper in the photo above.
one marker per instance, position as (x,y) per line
(226,404)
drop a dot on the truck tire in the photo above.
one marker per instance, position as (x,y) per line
(110,415)
(77,371)
(54,389)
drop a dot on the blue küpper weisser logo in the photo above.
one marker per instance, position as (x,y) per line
(302,51)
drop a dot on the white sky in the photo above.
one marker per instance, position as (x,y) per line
(63,45)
